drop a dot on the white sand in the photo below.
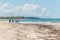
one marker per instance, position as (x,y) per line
(10,31)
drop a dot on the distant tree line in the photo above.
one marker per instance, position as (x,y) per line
(11,17)
(18,17)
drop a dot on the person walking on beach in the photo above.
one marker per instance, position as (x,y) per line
(10,20)
(17,21)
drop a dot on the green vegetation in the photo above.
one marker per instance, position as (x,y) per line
(18,17)
(12,17)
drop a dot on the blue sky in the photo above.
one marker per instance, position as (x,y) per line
(36,8)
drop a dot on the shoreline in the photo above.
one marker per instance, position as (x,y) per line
(44,23)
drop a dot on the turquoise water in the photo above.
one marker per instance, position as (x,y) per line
(37,20)
(41,20)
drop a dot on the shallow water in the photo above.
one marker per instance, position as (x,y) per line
(34,20)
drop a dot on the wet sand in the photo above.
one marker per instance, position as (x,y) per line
(45,31)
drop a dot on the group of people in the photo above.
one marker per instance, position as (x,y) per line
(13,20)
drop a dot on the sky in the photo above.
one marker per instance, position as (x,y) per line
(30,8)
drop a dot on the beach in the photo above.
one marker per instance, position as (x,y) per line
(29,31)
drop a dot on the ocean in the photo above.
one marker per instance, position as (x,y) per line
(41,20)
(53,20)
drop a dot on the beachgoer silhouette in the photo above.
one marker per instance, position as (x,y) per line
(10,20)
(17,21)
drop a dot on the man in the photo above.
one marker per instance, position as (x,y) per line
(10,20)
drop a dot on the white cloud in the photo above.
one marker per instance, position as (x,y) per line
(4,8)
(26,10)
(29,6)
(5,5)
